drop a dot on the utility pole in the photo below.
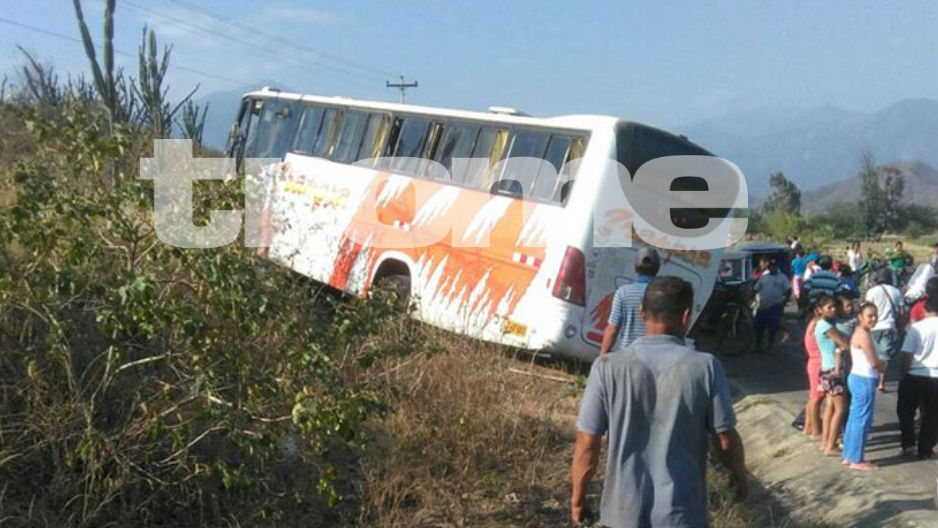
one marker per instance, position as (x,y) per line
(402,86)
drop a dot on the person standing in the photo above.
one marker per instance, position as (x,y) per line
(774,289)
(811,266)
(854,256)
(625,322)
(660,402)
(917,311)
(832,346)
(823,281)
(798,266)
(889,307)
(918,389)
(899,260)
(862,384)
(812,409)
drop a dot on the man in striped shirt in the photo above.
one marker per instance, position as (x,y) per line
(824,281)
(625,322)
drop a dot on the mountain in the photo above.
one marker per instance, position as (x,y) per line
(921,187)
(821,145)
(222,110)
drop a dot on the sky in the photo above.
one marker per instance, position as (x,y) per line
(666,63)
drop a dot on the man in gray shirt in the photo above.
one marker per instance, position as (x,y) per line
(659,401)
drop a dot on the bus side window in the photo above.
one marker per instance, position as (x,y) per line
(309,127)
(549,176)
(411,143)
(328,132)
(350,138)
(457,142)
(376,133)
(567,177)
(489,145)
(524,159)
(433,143)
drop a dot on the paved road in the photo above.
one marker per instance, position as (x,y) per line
(780,375)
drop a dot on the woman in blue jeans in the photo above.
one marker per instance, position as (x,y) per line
(863,379)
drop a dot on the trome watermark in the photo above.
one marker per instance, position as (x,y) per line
(673,202)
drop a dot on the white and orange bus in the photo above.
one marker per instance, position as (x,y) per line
(341,217)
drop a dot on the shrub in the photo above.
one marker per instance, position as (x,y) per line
(140,382)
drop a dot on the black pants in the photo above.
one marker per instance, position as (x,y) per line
(921,393)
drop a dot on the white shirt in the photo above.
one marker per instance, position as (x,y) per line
(922,343)
(861,367)
(880,295)
(854,259)
(809,270)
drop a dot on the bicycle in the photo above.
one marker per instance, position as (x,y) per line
(734,330)
(728,318)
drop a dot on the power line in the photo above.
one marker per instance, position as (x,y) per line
(269,51)
(240,25)
(200,73)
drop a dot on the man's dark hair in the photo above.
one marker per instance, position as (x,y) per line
(884,276)
(931,287)
(931,304)
(826,263)
(649,269)
(667,298)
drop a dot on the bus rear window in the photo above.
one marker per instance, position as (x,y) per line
(638,144)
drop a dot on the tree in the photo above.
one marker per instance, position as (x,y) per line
(893,185)
(881,201)
(785,197)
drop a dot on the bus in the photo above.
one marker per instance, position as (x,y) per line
(338,215)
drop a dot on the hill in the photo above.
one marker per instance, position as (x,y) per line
(821,145)
(921,187)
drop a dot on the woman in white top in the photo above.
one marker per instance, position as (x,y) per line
(863,379)
(854,257)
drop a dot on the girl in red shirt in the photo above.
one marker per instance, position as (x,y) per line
(812,410)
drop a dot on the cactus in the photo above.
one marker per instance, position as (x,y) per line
(156,112)
(41,82)
(103,76)
(193,122)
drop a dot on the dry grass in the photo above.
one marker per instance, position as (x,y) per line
(470,443)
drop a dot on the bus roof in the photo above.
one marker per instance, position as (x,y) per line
(582,122)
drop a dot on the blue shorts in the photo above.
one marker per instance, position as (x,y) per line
(770,317)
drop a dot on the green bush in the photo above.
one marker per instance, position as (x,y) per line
(781,225)
(142,384)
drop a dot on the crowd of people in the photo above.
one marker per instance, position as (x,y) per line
(660,401)
(850,341)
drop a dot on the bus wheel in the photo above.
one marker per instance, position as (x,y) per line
(399,285)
